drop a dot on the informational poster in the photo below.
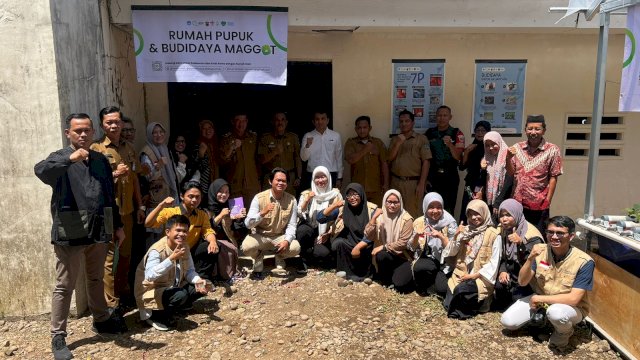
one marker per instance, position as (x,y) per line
(629,84)
(499,94)
(214,44)
(418,86)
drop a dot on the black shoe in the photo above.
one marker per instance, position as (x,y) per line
(257,275)
(59,348)
(113,325)
(302,268)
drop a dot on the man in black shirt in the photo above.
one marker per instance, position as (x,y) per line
(85,219)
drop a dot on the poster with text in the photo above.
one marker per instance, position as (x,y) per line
(418,86)
(499,94)
(213,44)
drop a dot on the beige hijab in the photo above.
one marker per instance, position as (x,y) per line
(475,235)
(392,225)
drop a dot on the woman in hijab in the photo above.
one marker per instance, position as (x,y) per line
(162,177)
(352,248)
(230,229)
(518,237)
(205,157)
(314,237)
(498,184)
(185,168)
(390,229)
(432,233)
(471,159)
(477,248)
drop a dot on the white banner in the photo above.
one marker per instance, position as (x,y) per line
(630,82)
(211,44)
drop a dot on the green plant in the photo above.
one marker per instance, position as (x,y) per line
(634,212)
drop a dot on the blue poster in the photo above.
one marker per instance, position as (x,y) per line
(418,86)
(499,94)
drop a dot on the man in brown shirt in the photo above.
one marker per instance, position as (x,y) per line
(239,150)
(280,148)
(124,163)
(409,155)
(367,156)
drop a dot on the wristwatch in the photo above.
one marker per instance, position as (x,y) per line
(143,208)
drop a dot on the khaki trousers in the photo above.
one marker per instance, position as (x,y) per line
(255,245)
(118,285)
(67,269)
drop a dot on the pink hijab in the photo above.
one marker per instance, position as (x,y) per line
(496,166)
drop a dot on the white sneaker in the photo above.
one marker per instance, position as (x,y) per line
(280,263)
(157,325)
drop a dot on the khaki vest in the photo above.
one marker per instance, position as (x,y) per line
(148,294)
(558,278)
(158,187)
(275,222)
(338,225)
(485,287)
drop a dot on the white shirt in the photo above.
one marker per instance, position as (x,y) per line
(253,217)
(326,150)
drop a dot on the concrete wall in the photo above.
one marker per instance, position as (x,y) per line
(30,117)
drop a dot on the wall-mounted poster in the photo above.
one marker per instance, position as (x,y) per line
(418,86)
(214,44)
(499,95)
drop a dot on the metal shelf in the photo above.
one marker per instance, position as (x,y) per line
(610,235)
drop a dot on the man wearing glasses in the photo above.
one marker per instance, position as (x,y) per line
(560,276)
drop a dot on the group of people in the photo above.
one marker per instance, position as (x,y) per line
(179,217)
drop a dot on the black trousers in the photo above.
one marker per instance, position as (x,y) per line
(507,294)
(392,270)
(345,262)
(538,218)
(175,299)
(445,184)
(203,261)
(428,277)
(462,303)
(309,250)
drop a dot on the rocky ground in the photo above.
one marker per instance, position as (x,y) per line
(315,316)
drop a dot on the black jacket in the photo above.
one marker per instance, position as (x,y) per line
(81,193)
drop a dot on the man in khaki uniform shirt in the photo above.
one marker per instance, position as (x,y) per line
(409,155)
(280,148)
(367,156)
(239,148)
(124,163)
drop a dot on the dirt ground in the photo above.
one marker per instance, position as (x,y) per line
(315,316)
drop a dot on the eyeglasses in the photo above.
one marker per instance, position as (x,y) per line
(353,195)
(559,234)
(392,202)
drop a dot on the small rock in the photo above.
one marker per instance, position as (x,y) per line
(604,345)
(403,338)
(341,274)
(8,352)
(304,317)
(258,354)
(6,343)
(215,356)
(417,343)
(311,352)
(288,324)
(255,338)
(481,321)
(233,306)
(342,283)
(2,322)
(368,281)
(192,342)
(94,351)
(295,313)
(226,329)
(324,346)
(280,342)
(133,348)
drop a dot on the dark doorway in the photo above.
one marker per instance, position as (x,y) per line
(309,87)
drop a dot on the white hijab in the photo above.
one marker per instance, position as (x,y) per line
(322,198)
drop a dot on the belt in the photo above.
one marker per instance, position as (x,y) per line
(405,178)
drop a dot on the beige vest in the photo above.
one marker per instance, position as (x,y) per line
(558,278)
(485,287)
(338,225)
(158,187)
(148,294)
(275,222)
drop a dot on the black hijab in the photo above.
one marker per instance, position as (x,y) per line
(355,218)
(214,205)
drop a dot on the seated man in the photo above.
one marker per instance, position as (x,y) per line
(273,216)
(166,277)
(560,276)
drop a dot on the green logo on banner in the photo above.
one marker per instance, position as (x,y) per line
(273,39)
(632,53)
(140,47)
